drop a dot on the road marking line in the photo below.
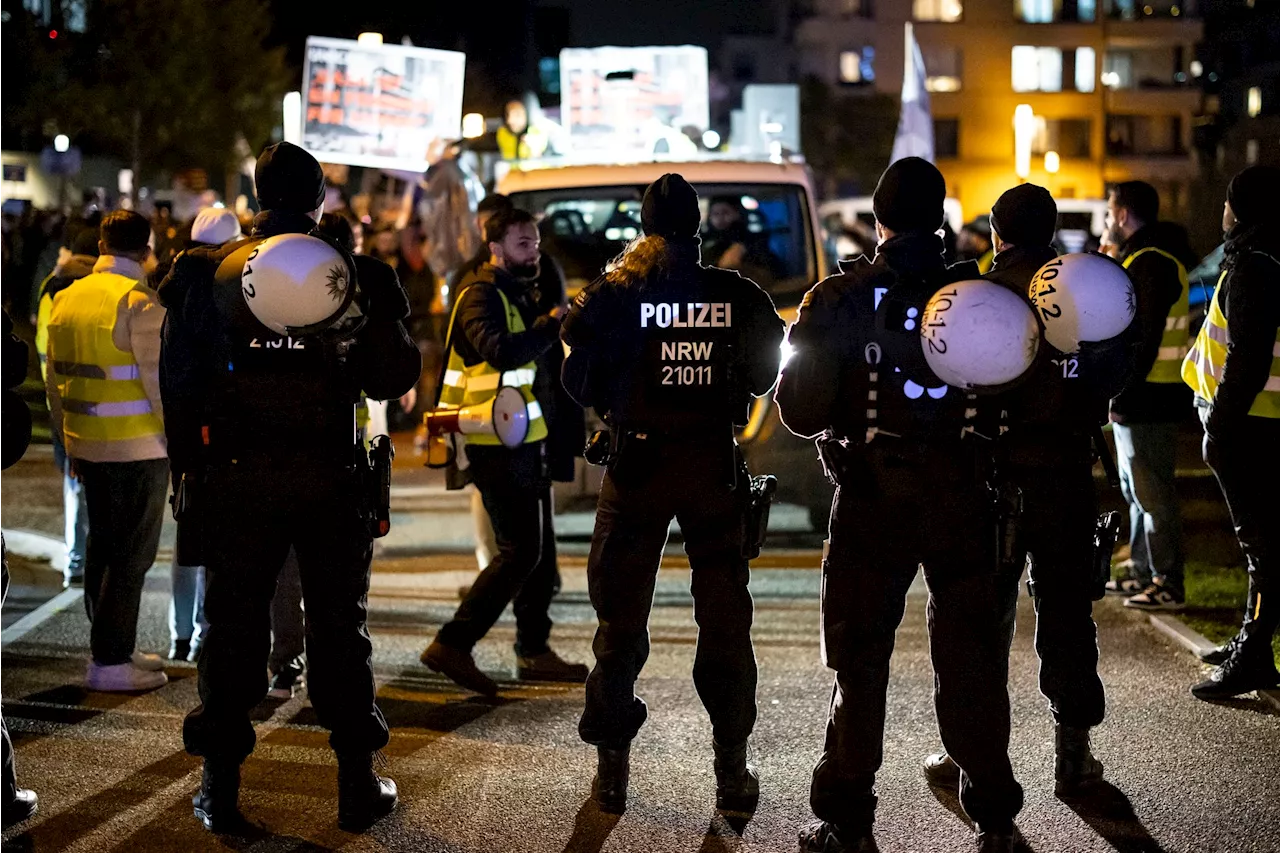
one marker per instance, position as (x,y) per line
(41,614)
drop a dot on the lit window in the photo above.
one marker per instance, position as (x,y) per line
(1036,11)
(1037,69)
(1117,70)
(1254,101)
(1084,69)
(858,66)
(937,10)
(941,68)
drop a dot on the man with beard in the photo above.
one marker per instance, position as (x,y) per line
(496,338)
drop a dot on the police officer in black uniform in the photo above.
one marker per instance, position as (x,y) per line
(670,353)
(909,493)
(261,437)
(1044,461)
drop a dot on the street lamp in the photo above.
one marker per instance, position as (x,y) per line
(1051,162)
(472,126)
(370,39)
(293,117)
(1024,128)
(61,143)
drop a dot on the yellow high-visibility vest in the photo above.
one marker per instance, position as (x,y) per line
(100,387)
(479,383)
(1202,368)
(1176,339)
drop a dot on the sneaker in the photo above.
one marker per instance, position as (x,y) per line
(123,678)
(459,667)
(824,837)
(1218,655)
(1239,675)
(1157,597)
(996,840)
(151,663)
(941,771)
(1125,585)
(22,806)
(285,682)
(549,666)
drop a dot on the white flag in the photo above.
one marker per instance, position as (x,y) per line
(915,124)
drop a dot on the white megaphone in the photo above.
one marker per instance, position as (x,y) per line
(505,417)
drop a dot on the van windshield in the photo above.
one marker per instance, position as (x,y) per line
(761,230)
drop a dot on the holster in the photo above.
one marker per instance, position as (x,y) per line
(377,485)
(188,511)
(760,492)
(843,462)
(1105,532)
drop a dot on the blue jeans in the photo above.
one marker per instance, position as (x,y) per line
(186,607)
(1145,456)
(76,512)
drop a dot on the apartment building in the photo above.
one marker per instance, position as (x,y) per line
(1112,85)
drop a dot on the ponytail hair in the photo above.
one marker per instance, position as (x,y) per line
(646,257)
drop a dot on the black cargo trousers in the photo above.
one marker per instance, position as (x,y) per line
(909,505)
(693,481)
(1056,529)
(249,520)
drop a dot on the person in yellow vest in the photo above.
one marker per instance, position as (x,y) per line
(104,400)
(1234,370)
(496,338)
(1145,416)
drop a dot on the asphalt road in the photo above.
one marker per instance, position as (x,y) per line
(511,774)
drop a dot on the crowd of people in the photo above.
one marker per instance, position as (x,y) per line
(158,381)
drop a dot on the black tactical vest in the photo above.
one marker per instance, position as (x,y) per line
(277,400)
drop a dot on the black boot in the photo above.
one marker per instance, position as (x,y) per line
(1074,767)
(20,805)
(216,803)
(613,767)
(1249,664)
(737,783)
(364,797)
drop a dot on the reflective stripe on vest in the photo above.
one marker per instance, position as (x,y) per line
(1202,369)
(1175,340)
(479,383)
(100,387)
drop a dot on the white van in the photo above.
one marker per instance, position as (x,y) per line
(587,213)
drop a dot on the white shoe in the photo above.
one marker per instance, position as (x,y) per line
(151,663)
(122,678)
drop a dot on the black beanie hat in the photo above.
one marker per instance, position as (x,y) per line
(1253,194)
(670,208)
(909,196)
(288,178)
(1025,216)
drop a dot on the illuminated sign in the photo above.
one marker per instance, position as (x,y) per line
(379,105)
(634,101)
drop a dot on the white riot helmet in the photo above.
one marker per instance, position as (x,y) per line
(298,284)
(1082,298)
(979,336)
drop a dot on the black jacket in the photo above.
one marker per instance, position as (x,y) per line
(1249,297)
(825,383)
(1156,284)
(197,355)
(612,365)
(16,434)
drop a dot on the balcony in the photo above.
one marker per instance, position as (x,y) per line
(1153,102)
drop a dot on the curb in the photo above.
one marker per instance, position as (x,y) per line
(1189,638)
